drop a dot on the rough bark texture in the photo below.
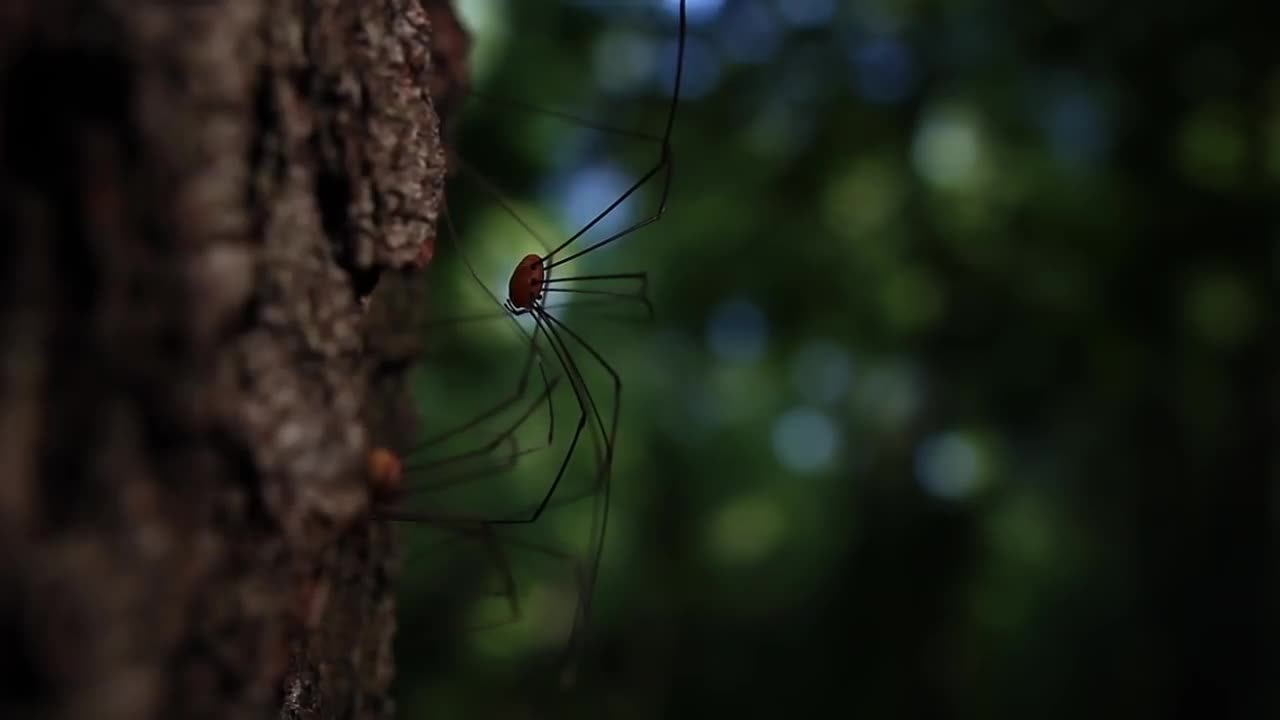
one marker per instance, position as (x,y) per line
(198,201)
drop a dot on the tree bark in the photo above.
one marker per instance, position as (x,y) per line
(212,212)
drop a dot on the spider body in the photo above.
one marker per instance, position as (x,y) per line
(524,291)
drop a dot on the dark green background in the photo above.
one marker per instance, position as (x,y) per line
(1047,253)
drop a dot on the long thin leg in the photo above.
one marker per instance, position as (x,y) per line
(521,386)
(501,198)
(441,480)
(610,439)
(504,202)
(621,298)
(508,581)
(578,389)
(586,404)
(494,544)
(571,367)
(607,299)
(600,511)
(640,295)
(551,285)
(581,614)
(664,161)
(530,337)
(443,483)
(664,164)
(561,349)
(617,380)
(562,115)
(507,436)
(459,530)
(453,240)
(642,276)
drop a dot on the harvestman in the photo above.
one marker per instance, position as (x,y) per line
(531,284)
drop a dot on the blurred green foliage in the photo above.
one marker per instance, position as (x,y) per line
(961,397)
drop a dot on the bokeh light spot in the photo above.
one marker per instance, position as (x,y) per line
(806,13)
(1221,309)
(486,20)
(588,191)
(624,61)
(1021,546)
(947,149)
(1076,126)
(863,205)
(738,331)
(1212,151)
(546,619)
(748,34)
(822,371)
(805,440)
(746,530)
(884,70)
(951,465)
(881,17)
(888,395)
(912,299)
(779,130)
(703,408)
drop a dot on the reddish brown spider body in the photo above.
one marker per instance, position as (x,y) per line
(525,288)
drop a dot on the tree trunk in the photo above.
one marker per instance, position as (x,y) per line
(210,211)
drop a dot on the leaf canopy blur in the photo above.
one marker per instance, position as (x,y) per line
(961,397)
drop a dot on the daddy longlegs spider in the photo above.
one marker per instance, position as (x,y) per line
(552,345)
